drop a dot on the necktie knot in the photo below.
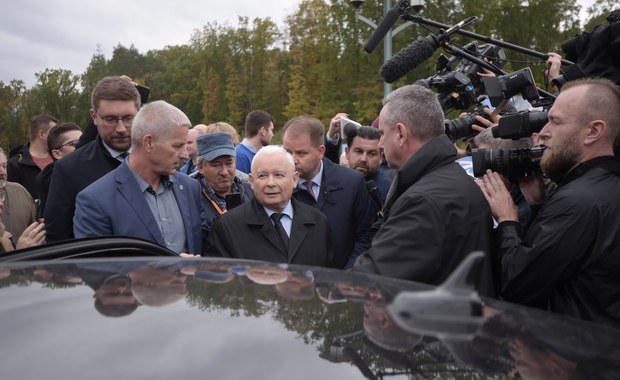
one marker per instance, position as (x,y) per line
(276,217)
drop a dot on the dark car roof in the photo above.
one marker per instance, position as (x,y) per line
(163,318)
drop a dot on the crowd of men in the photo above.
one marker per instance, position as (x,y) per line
(402,208)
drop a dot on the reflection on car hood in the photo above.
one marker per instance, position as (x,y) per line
(165,318)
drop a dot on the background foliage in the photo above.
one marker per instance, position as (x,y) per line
(313,64)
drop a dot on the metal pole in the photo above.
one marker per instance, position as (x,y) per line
(387,46)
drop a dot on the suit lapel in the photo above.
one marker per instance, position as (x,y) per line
(299,229)
(329,184)
(129,189)
(182,197)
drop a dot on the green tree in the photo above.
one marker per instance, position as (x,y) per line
(56,92)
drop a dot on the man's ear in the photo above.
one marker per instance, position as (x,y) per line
(321,150)
(402,133)
(296,177)
(56,154)
(596,131)
(93,115)
(148,142)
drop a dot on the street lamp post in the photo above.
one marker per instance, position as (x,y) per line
(387,41)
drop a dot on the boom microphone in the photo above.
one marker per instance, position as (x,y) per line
(418,52)
(408,59)
(384,26)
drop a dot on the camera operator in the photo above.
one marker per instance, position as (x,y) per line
(568,260)
(485,140)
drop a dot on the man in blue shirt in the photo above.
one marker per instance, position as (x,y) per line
(258,133)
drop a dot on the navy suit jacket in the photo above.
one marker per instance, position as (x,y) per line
(344,199)
(246,232)
(114,205)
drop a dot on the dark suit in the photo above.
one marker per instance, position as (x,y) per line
(115,205)
(344,199)
(71,175)
(246,232)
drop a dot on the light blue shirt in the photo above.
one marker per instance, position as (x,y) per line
(166,211)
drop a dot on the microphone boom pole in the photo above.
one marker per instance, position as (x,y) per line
(423,21)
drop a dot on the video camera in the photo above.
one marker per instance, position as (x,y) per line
(504,87)
(512,163)
(521,124)
(459,88)
(460,127)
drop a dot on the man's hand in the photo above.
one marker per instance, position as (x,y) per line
(334,125)
(554,62)
(494,190)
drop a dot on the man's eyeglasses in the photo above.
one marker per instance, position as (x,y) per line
(111,121)
(73,143)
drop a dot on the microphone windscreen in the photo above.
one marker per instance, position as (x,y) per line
(384,26)
(407,59)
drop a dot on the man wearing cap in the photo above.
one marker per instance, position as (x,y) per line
(221,189)
(145,196)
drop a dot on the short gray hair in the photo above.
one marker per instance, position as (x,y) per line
(417,108)
(486,137)
(271,150)
(157,118)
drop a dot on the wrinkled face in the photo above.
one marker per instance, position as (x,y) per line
(68,143)
(273,180)
(389,142)
(219,173)
(266,134)
(364,156)
(167,153)
(191,142)
(307,158)
(116,133)
(3,174)
(563,134)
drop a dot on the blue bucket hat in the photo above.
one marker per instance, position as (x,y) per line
(214,145)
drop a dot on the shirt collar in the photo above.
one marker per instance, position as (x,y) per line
(288,210)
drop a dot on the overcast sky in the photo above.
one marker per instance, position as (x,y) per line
(64,34)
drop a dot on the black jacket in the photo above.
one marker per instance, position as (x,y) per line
(71,175)
(246,232)
(568,261)
(22,169)
(435,215)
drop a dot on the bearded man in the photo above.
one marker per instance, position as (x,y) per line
(568,260)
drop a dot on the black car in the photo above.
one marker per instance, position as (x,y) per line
(119,308)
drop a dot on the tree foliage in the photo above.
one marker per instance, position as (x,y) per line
(313,64)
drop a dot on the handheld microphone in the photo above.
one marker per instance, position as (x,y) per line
(417,53)
(384,26)
(373,189)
